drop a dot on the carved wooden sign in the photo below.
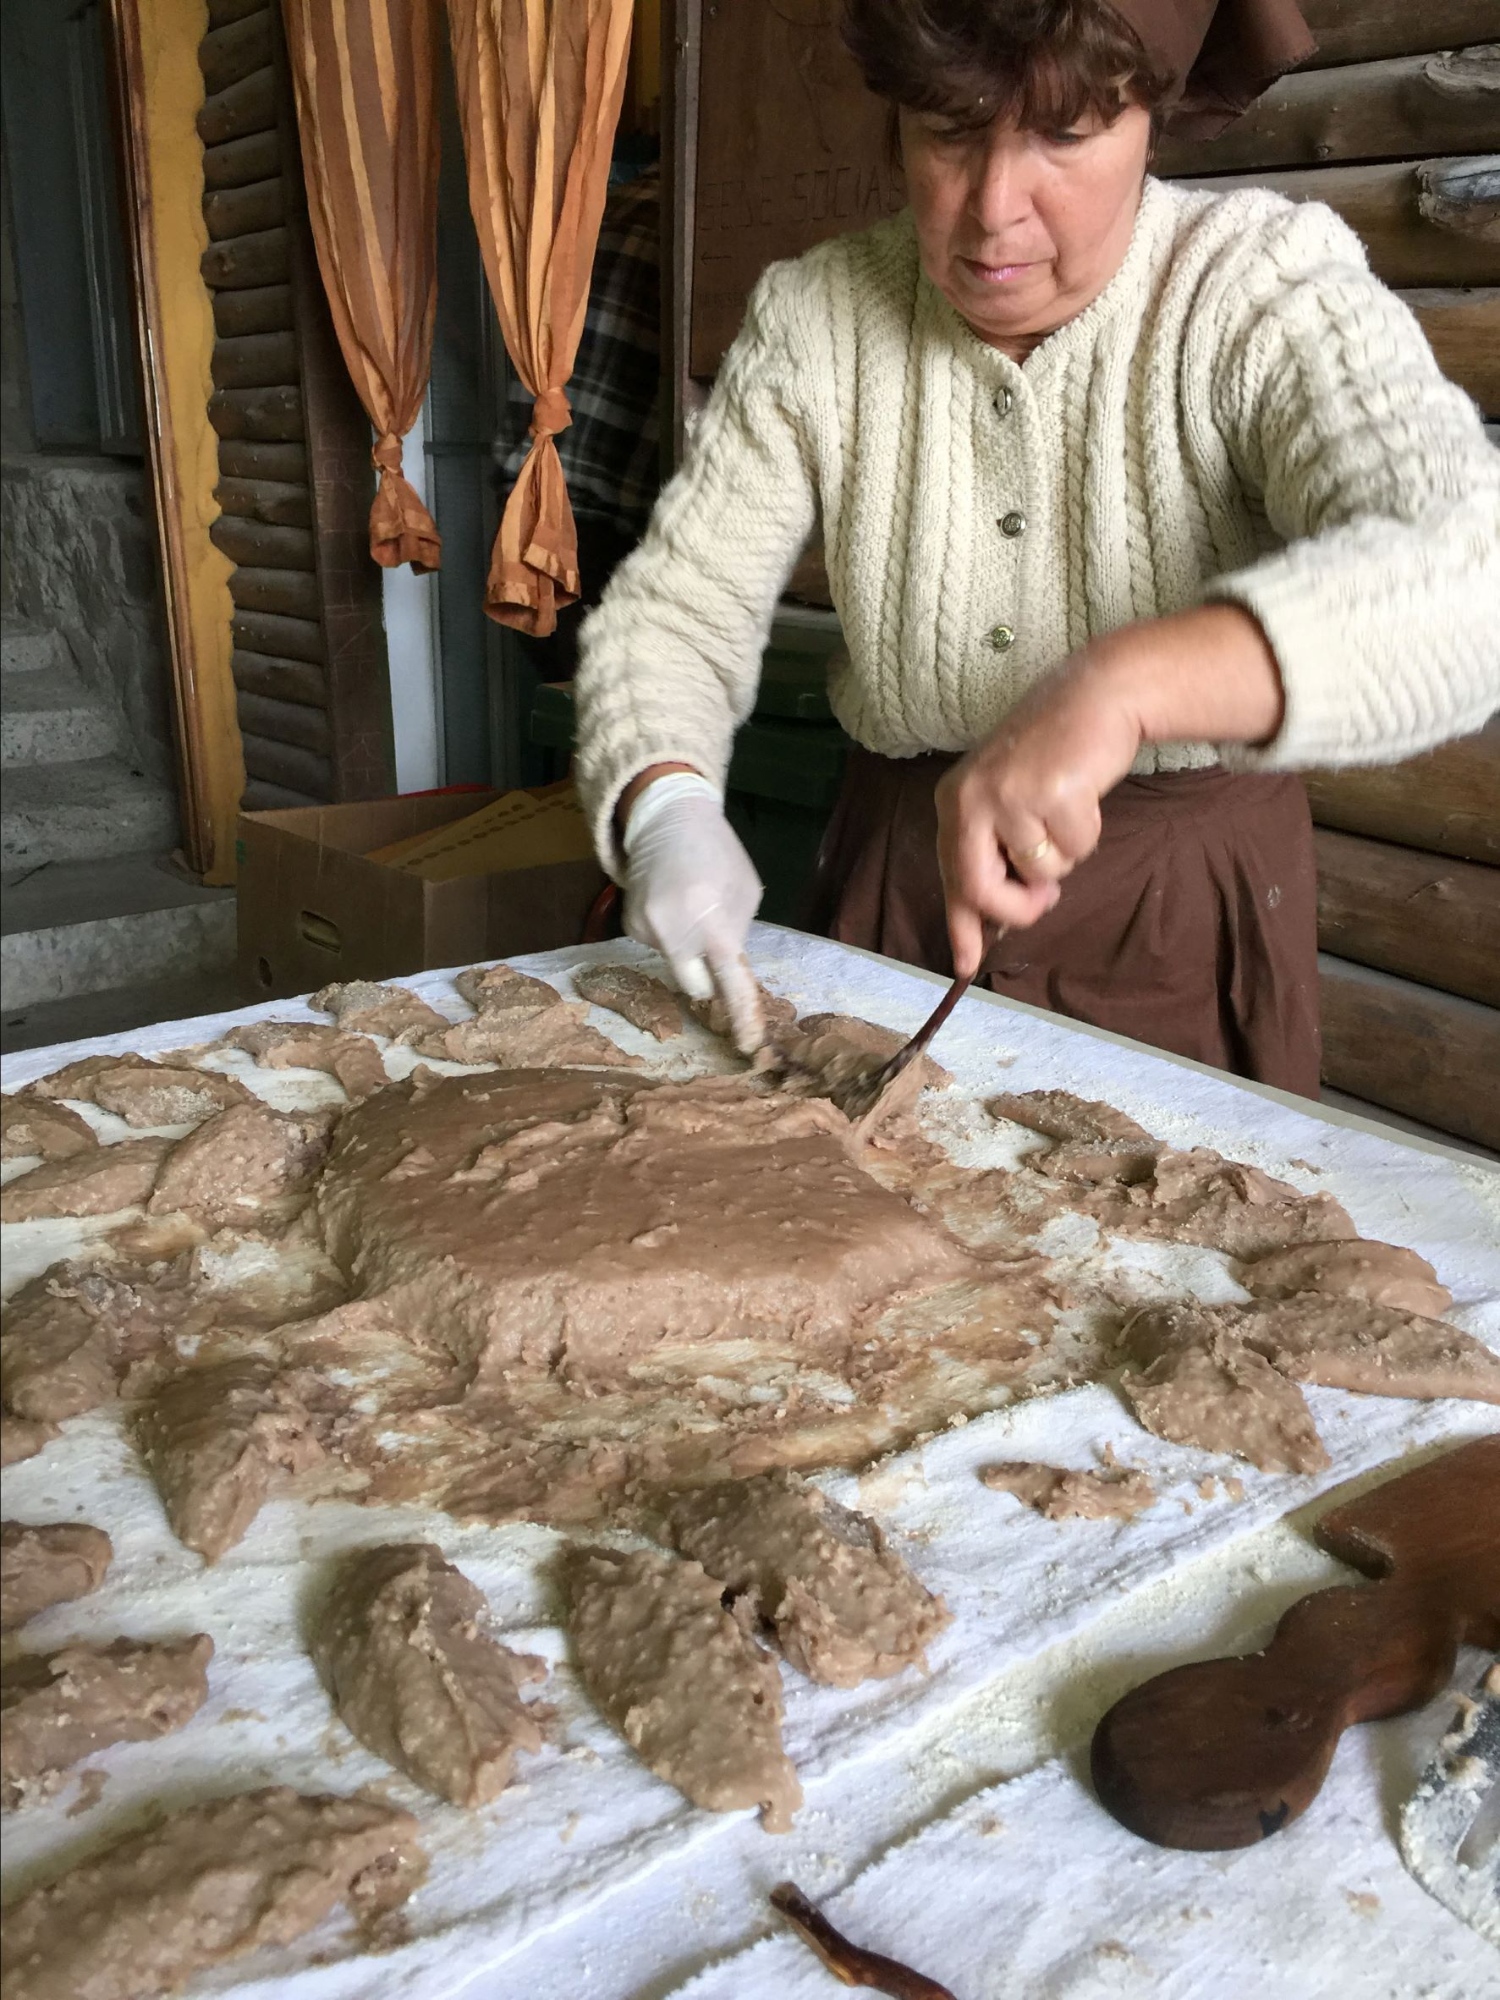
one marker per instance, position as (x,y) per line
(791,149)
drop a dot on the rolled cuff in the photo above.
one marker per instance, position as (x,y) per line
(602,777)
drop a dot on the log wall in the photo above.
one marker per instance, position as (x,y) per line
(295,480)
(1396,124)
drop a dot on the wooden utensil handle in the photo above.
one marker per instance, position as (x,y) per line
(1223,1753)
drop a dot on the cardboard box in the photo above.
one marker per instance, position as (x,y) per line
(314,907)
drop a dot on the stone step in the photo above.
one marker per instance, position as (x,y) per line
(27,647)
(47,1022)
(101,807)
(49,717)
(75,927)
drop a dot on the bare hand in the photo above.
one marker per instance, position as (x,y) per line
(1021,811)
(1018,814)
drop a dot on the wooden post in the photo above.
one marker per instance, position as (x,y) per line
(161,94)
(682,32)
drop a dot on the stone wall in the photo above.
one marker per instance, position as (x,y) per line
(77,552)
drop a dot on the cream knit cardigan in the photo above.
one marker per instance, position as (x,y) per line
(1244,413)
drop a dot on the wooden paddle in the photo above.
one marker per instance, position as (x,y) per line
(1222,1753)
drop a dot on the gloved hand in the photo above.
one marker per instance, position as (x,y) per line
(690,893)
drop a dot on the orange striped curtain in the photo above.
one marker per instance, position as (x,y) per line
(539,89)
(364,73)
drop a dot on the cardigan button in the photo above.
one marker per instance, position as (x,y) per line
(1002,638)
(1013,523)
(1004,403)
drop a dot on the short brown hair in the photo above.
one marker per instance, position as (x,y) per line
(1040,64)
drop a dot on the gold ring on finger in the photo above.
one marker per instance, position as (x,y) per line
(1037,853)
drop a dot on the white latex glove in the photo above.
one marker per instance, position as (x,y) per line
(690,893)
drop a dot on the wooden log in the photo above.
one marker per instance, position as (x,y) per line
(1462,196)
(1414,105)
(272,415)
(281,503)
(1395,211)
(258,259)
(239,162)
(343,484)
(1426,1054)
(1443,802)
(1357,31)
(245,107)
(280,680)
(222,12)
(244,211)
(256,309)
(290,722)
(257,544)
(287,765)
(278,638)
(1464,329)
(1425,916)
(254,458)
(261,797)
(227,55)
(256,361)
(290,593)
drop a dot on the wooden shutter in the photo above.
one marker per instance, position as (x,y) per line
(295,480)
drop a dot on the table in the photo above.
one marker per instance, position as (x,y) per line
(590,1877)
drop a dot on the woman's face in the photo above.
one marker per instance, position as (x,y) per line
(1021,230)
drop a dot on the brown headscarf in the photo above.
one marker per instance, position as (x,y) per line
(1225,51)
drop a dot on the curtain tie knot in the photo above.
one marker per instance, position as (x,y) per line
(386,452)
(550,413)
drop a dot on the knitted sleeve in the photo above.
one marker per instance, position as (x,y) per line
(669,663)
(1384,609)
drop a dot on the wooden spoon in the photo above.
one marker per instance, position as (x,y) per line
(1225,1752)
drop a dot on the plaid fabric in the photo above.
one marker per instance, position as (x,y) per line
(610,450)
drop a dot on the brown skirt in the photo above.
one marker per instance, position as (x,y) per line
(1192,926)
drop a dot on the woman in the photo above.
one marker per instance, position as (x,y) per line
(1134,500)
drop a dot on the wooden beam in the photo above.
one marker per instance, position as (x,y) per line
(288,593)
(269,416)
(252,458)
(255,360)
(258,309)
(238,162)
(241,211)
(281,503)
(278,637)
(1408,215)
(161,94)
(222,12)
(228,54)
(257,259)
(263,546)
(280,680)
(1426,1054)
(288,765)
(1404,109)
(1443,802)
(1425,916)
(1464,329)
(261,797)
(284,721)
(1356,31)
(246,106)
